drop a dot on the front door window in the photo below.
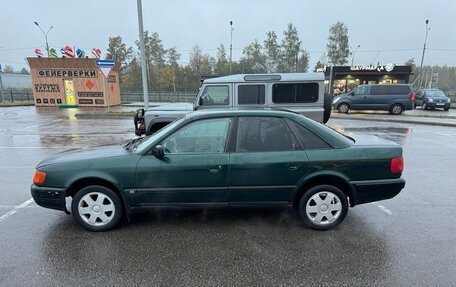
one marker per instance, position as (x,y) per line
(205,136)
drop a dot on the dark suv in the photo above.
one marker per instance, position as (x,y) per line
(432,99)
(393,98)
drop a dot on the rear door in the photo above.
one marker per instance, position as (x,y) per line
(267,162)
(381,97)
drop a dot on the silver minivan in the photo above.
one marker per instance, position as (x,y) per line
(299,92)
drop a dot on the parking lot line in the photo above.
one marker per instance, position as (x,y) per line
(383,208)
(15,209)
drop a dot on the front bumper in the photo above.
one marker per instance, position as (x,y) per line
(375,190)
(49,197)
(435,105)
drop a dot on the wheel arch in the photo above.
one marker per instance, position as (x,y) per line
(334,179)
(82,182)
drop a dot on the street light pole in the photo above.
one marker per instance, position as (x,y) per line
(353,54)
(231,44)
(143,55)
(424,50)
(45,36)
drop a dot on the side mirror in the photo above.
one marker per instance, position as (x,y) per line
(158,151)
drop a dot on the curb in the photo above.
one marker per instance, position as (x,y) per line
(397,121)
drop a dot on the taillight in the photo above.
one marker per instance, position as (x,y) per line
(397,165)
(39,177)
(412,97)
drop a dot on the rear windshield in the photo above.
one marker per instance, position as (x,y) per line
(390,90)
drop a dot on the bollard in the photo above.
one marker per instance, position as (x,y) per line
(28,96)
(11,94)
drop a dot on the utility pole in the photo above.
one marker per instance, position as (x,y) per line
(143,56)
(353,54)
(231,44)
(45,36)
(424,50)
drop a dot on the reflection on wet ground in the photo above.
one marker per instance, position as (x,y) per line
(395,134)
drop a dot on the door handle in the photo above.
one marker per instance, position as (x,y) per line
(215,169)
(292,167)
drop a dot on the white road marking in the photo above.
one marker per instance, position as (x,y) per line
(15,209)
(383,208)
(445,134)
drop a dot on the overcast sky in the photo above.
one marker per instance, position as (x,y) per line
(389,31)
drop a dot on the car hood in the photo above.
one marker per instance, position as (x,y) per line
(438,98)
(173,107)
(85,154)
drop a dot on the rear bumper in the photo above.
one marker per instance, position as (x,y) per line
(375,190)
(49,197)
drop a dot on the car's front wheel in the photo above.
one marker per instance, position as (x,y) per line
(96,208)
(323,207)
(424,106)
(343,108)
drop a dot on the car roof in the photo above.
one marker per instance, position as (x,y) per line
(279,77)
(247,111)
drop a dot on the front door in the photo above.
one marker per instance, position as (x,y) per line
(361,100)
(267,162)
(193,170)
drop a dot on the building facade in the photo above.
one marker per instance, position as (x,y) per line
(345,78)
(73,82)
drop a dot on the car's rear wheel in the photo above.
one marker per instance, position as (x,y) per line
(343,108)
(96,208)
(323,207)
(327,108)
(396,109)
(424,106)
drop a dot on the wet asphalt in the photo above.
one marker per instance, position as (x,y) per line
(406,241)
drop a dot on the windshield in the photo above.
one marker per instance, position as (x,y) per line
(148,140)
(436,93)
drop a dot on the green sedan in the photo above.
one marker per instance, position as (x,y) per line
(216,158)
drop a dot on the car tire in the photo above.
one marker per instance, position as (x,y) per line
(327,108)
(96,208)
(323,207)
(396,109)
(424,106)
(343,108)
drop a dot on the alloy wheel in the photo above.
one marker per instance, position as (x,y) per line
(323,208)
(96,209)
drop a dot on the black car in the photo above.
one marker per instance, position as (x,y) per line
(432,99)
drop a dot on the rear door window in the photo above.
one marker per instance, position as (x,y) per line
(389,90)
(264,134)
(251,94)
(308,139)
(295,93)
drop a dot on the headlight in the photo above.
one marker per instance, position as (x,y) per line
(336,100)
(449,100)
(430,100)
